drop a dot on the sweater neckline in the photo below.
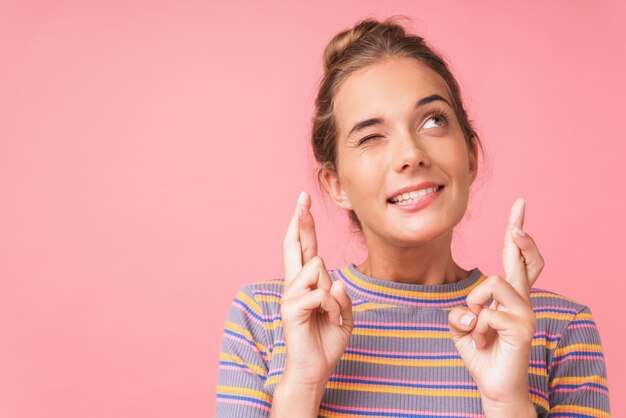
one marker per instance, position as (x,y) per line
(365,288)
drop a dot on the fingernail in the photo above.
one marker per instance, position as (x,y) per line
(340,320)
(519,232)
(474,344)
(301,197)
(466,320)
(299,210)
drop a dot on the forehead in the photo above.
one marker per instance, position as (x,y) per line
(384,89)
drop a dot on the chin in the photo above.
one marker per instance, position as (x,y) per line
(418,236)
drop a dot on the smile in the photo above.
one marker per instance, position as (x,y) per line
(410,197)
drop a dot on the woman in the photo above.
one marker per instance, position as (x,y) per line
(408,332)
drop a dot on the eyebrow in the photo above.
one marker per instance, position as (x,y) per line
(374,121)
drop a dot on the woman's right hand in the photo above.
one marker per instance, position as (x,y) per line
(316,313)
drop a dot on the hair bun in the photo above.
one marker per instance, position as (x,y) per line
(345,39)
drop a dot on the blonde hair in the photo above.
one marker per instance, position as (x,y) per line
(368,42)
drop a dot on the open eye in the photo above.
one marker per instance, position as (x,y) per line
(439,119)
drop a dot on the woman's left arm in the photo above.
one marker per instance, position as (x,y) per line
(578,381)
(495,341)
(495,346)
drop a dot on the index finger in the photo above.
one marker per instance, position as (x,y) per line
(306,229)
(292,250)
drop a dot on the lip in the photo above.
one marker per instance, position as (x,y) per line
(420,203)
(407,189)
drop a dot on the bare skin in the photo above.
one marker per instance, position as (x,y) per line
(411,145)
(312,355)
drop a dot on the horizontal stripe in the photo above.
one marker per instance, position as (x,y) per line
(586,349)
(577,411)
(541,309)
(231,358)
(402,355)
(402,327)
(556,316)
(244,394)
(538,294)
(401,332)
(344,411)
(574,388)
(404,390)
(578,354)
(244,400)
(230,365)
(268,323)
(402,383)
(258,293)
(579,379)
(416,298)
(236,330)
(572,384)
(369,306)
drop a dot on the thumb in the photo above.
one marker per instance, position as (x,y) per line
(461,322)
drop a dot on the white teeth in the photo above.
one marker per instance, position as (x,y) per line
(406,198)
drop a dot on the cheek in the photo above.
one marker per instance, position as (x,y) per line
(363,184)
(460,163)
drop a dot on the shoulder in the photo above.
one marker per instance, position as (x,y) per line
(260,298)
(271,290)
(556,312)
(545,299)
(266,294)
(271,287)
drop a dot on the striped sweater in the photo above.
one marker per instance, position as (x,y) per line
(401,361)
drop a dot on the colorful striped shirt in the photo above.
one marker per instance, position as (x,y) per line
(401,360)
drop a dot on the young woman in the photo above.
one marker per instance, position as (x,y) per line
(408,332)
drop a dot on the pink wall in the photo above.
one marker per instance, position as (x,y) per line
(151,154)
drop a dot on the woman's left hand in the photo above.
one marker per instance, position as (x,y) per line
(494,341)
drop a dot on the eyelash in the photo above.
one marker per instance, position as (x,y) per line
(435,113)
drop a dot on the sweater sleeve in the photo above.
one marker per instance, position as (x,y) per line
(577,382)
(243,362)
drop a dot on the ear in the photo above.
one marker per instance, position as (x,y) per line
(332,184)
(473,162)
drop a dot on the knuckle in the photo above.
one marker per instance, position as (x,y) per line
(494,280)
(487,314)
(287,290)
(528,320)
(542,262)
(317,262)
(312,249)
(320,295)
(529,329)
(286,309)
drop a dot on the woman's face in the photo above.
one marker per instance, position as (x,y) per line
(396,130)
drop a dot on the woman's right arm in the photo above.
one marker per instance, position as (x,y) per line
(317,320)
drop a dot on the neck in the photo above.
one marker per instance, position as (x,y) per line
(429,263)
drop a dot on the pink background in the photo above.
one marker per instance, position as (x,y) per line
(151,154)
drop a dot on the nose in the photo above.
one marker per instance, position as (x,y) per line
(409,154)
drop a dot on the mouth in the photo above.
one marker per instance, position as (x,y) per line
(408,198)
